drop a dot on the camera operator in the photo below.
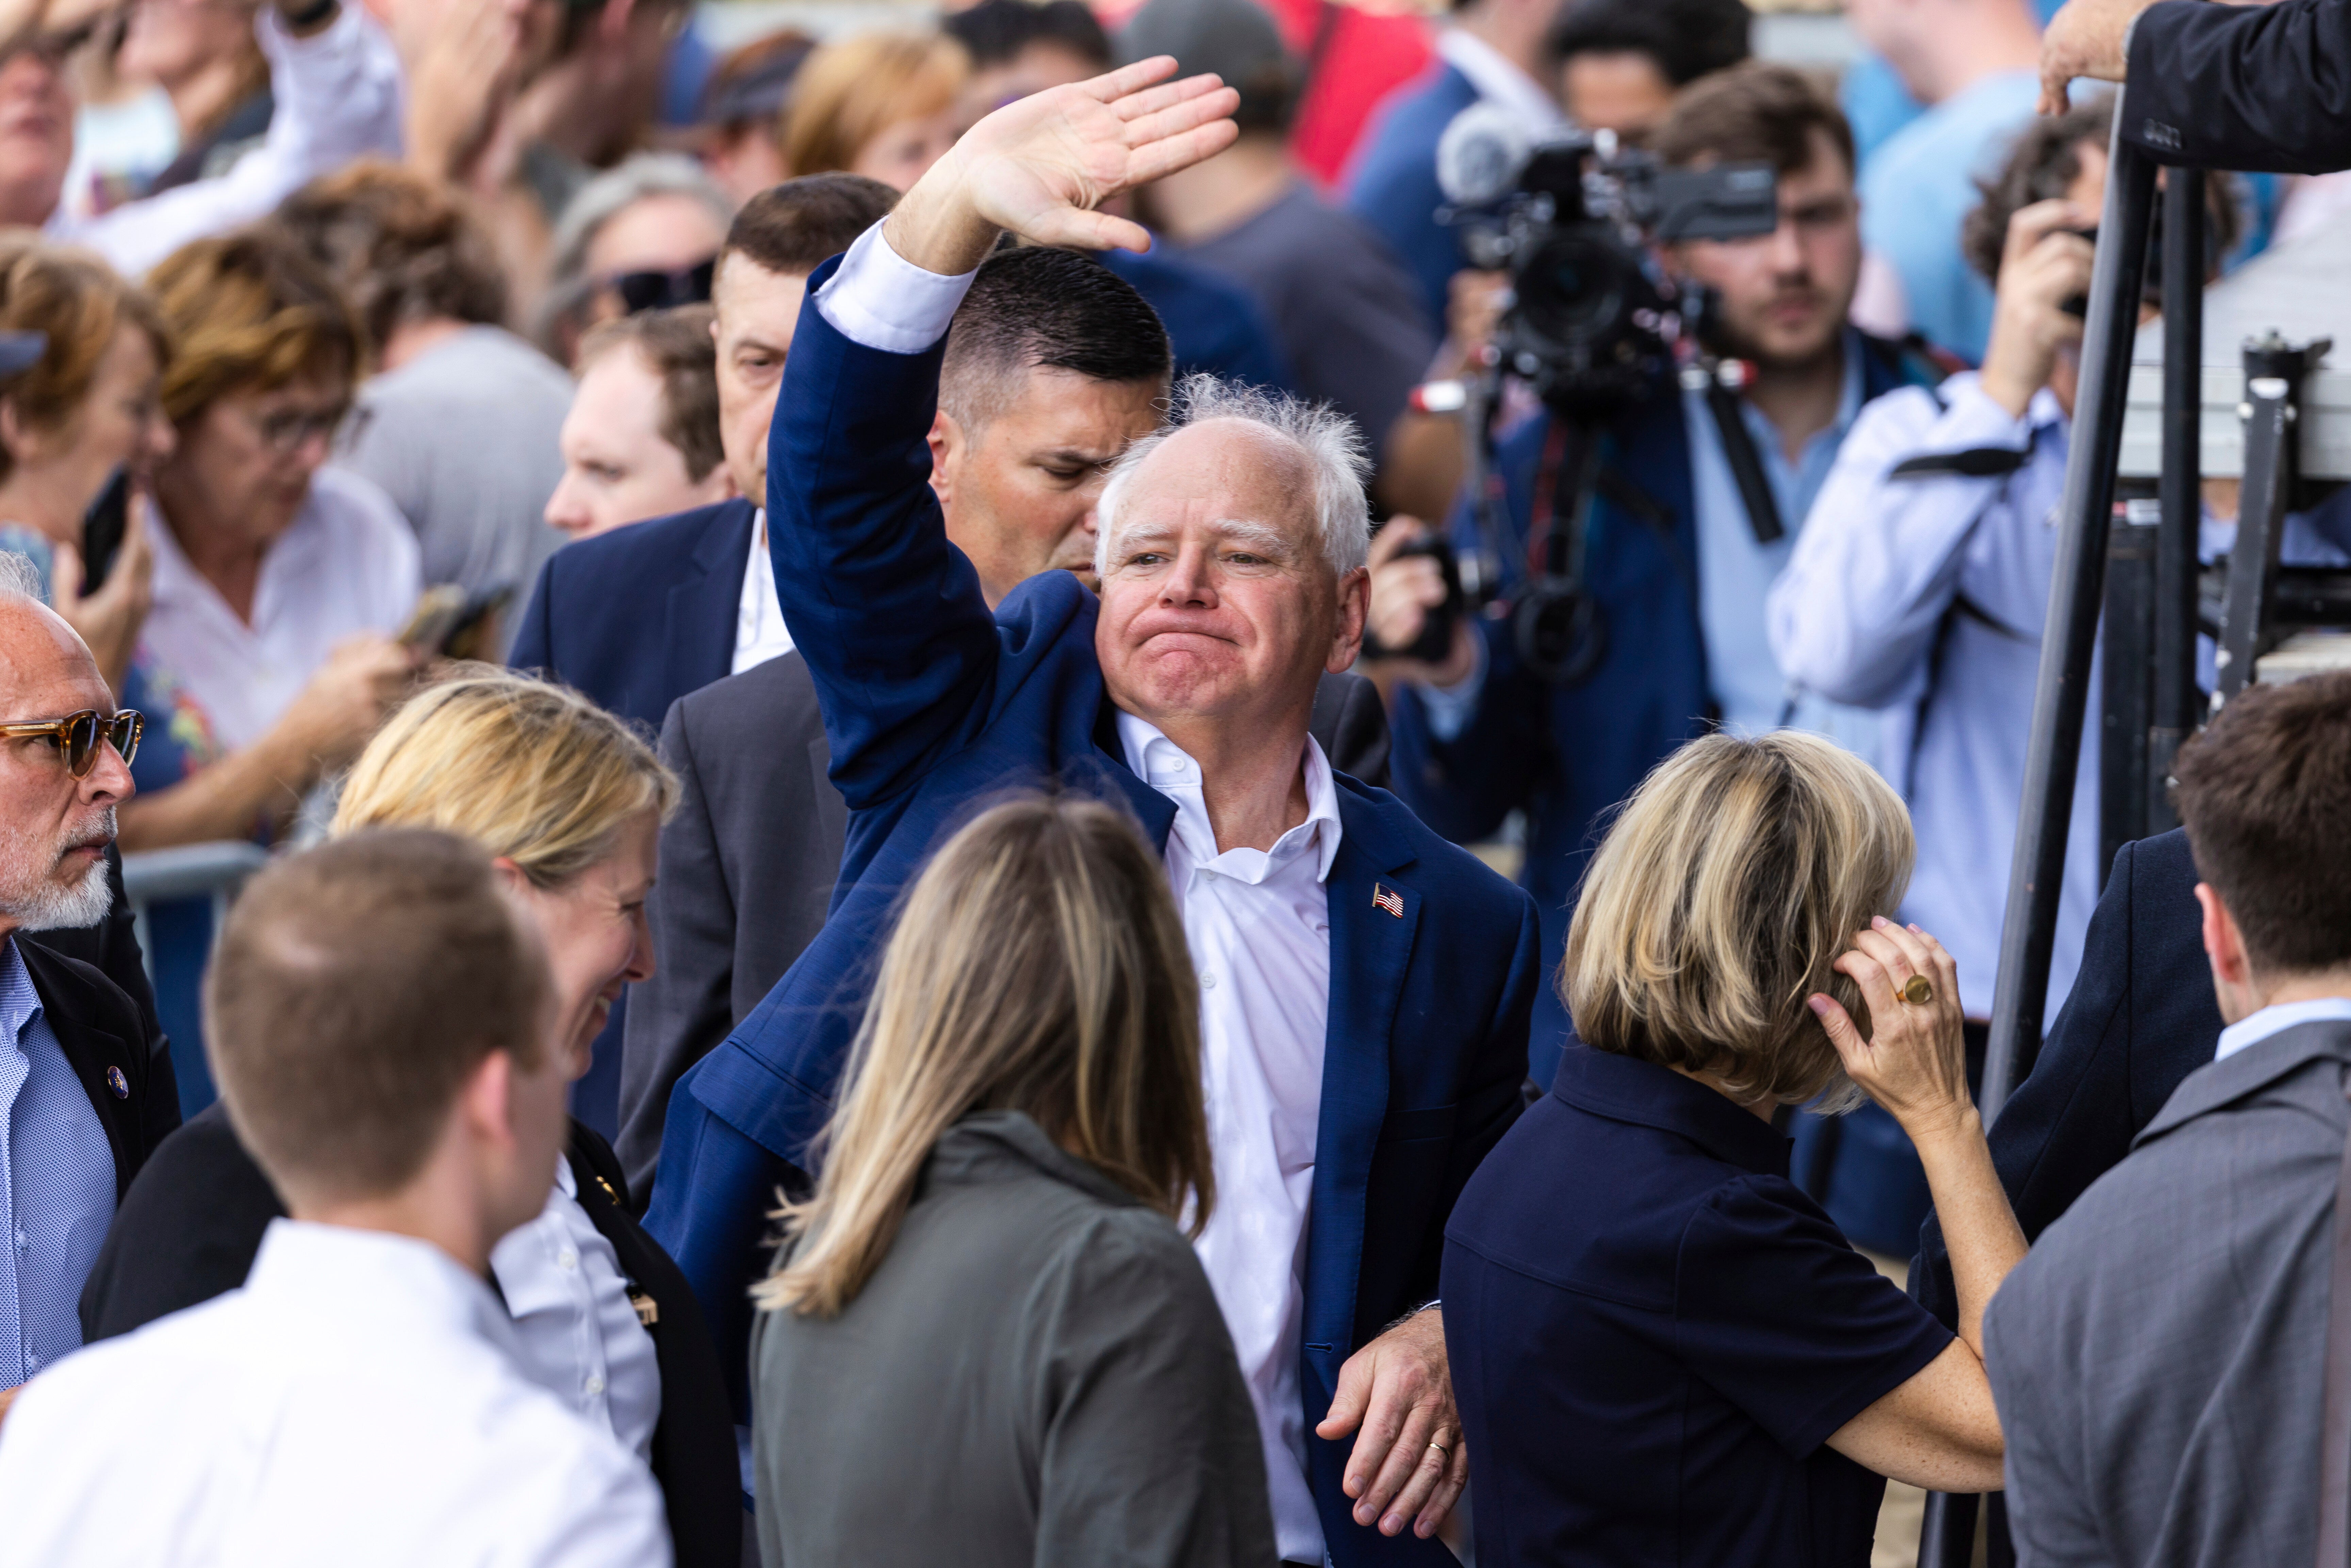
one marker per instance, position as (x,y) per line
(1672,562)
(1922,577)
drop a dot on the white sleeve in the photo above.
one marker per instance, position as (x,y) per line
(1878,559)
(338,97)
(879,299)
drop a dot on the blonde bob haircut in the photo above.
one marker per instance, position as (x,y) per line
(1039,966)
(851,92)
(533,772)
(1736,875)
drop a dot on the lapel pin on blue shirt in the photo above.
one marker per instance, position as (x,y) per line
(120,1085)
(1387,899)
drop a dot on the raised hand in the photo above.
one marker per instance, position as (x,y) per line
(1041,165)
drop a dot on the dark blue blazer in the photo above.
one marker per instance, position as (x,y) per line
(933,707)
(634,620)
(638,617)
(2140,1019)
(1394,185)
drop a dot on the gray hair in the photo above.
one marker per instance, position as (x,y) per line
(1334,450)
(20,579)
(604,198)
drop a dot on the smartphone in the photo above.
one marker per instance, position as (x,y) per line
(101,531)
(474,635)
(434,618)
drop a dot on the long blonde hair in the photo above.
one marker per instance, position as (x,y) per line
(1040,965)
(1738,873)
(532,771)
(851,91)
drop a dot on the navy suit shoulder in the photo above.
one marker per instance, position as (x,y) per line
(1214,325)
(2140,1019)
(636,618)
(2254,88)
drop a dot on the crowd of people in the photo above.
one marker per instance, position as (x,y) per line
(1000,826)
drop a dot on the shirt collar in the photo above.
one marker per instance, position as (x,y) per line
(1168,768)
(2255,1028)
(1623,1089)
(20,1004)
(337,1271)
(1499,78)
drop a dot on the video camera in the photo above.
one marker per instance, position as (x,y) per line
(1596,323)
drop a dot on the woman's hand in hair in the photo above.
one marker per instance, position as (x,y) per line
(109,619)
(1915,1061)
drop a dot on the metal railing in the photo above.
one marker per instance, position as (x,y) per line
(187,871)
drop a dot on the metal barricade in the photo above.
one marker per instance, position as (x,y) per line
(188,871)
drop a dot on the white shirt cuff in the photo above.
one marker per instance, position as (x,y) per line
(879,299)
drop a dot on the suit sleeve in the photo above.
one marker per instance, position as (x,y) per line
(685,1007)
(1353,728)
(2070,1121)
(533,648)
(2252,86)
(888,613)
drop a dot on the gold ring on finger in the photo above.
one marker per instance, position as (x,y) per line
(1917,991)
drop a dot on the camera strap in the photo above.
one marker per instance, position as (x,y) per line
(1746,464)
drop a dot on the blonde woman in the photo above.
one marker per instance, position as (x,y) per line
(569,802)
(987,1341)
(884,105)
(1664,1351)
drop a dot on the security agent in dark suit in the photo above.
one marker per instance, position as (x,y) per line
(87,1095)
(1018,451)
(2140,1020)
(638,617)
(2215,87)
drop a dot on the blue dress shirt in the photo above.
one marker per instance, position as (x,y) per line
(58,1171)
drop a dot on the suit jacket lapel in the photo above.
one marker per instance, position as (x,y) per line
(90,1051)
(1374,916)
(699,631)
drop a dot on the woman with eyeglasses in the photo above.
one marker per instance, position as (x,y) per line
(79,410)
(271,654)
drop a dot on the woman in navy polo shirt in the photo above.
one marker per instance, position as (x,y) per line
(1664,1353)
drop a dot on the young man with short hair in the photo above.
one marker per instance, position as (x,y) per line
(380,1023)
(2159,1357)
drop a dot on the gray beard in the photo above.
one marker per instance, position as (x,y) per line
(32,899)
(54,908)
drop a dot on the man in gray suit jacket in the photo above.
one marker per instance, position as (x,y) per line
(1053,366)
(2158,1358)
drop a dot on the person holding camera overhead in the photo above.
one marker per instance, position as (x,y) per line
(1675,563)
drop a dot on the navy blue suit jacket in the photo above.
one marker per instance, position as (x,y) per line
(2140,1018)
(634,620)
(638,617)
(1394,185)
(933,707)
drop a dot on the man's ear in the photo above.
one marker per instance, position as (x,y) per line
(1347,634)
(2224,944)
(949,443)
(485,1102)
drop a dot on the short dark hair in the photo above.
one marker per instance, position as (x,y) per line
(994,32)
(678,348)
(2265,794)
(1043,308)
(2044,161)
(402,248)
(791,228)
(1686,39)
(356,986)
(1756,112)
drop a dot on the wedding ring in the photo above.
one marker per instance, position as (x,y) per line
(1917,991)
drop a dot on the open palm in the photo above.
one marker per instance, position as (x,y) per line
(1039,165)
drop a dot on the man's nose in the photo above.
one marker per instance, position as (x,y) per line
(1188,581)
(110,776)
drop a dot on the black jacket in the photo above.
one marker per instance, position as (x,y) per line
(749,860)
(2242,87)
(2140,1019)
(112,947)
(128,1079)
(190,1229)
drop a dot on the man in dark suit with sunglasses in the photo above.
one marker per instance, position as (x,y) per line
(85,1094)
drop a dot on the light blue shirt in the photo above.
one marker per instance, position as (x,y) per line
(59,1174)
(1920,184)
(1736,570)
(2255,1028)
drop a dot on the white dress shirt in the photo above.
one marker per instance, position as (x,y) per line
(2257,1027)
(1259,924)
(576,1330)
(357,1401)
(348,565)
(337,98)
(760,633)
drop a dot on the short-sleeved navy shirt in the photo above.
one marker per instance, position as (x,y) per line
(1652,1332)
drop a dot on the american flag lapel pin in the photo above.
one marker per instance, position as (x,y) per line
(1388,899)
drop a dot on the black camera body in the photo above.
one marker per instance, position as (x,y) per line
(1595,324)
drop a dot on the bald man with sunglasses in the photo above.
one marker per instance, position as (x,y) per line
(85,1094)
